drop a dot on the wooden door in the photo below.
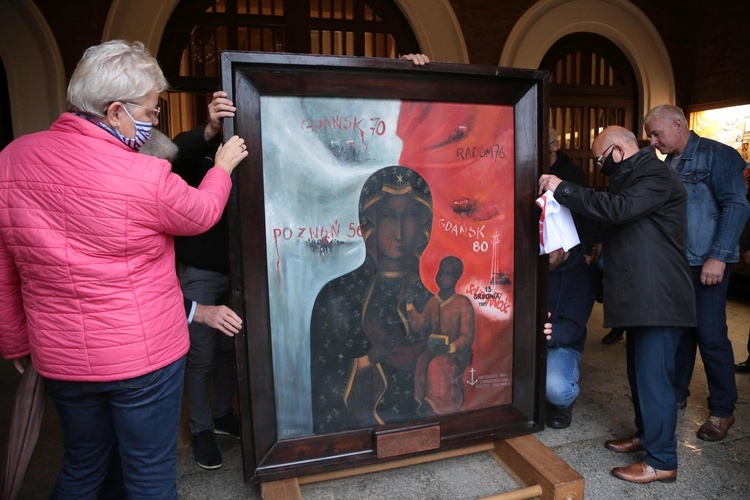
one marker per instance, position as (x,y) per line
(592,86)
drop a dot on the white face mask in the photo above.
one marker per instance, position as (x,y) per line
(142,133)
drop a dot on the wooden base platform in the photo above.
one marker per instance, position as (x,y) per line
(539,472)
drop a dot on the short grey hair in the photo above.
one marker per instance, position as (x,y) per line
(667,112)
(159,146)
(113,71)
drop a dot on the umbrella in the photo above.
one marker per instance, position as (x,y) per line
(25,422)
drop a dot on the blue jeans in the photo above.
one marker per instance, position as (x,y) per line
(650,352)
(711,338)
(211,370)
(562,376)
(139,414)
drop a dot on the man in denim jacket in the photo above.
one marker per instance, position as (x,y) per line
(717,210)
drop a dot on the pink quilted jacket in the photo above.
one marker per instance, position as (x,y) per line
(87,278)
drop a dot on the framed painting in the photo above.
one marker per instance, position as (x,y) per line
(384,257)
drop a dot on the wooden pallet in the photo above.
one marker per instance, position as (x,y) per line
(538,471)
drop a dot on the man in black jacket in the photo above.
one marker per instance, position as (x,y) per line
(203,268)
(571,290)
(647,286)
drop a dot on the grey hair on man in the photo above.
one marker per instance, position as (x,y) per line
(159,146)
(669,112)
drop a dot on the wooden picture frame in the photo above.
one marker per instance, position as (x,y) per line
(326,381)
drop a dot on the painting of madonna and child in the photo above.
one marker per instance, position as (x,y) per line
(390,233)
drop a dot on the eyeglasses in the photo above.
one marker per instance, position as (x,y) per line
(154,111)
(600,160)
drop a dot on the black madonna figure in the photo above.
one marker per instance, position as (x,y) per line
(362,350)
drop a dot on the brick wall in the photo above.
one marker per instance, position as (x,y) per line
(76,25)
(675,20)
(721,60)
(486,25)
(708,42)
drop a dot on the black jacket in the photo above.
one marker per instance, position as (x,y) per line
(209,250)
(571,292)
(647,279)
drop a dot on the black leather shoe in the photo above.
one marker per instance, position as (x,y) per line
(228,425)
(615,335)
(743,367)
(207,454)
(559,418)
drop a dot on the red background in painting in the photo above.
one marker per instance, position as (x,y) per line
(456,148)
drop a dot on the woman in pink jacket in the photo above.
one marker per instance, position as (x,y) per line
(87,271)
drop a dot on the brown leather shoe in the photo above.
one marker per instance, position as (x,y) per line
(715,428)
(625,445)
(641,472)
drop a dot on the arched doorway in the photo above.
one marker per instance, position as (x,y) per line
(198,30)
(34,70)
(592,86)
(433,22)
(620,21)
(6,124)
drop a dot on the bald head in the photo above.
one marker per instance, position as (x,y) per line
(615,135)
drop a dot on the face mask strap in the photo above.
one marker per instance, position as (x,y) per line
(142,132)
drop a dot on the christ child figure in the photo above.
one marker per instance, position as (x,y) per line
(448,318)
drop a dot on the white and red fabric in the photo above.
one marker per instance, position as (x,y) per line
(556,227)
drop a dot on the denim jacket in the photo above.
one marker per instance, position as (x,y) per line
(717,207)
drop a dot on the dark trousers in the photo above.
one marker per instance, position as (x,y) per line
(135,420)
(210,373)
(710,336)
(651,363)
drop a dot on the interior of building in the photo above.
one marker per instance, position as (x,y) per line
(609,62)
